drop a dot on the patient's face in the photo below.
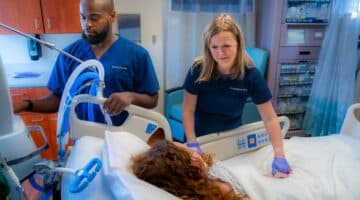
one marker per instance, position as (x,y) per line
(196,158)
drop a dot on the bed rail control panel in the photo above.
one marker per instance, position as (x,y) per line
(245,138)
(252,141)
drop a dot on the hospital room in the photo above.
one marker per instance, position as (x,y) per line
(179,99)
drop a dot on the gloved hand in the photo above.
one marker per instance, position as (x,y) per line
(194,145)
(280,164)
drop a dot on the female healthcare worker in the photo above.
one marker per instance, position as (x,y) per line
(218,84)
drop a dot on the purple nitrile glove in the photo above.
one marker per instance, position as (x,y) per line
(280,164)
(194,145)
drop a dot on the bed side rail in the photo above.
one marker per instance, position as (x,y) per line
(141,122)
(246,138)
(351,124)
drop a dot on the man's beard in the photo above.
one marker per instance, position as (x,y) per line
(98,38)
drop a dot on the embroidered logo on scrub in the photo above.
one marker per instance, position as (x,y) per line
(119,67)
(238,89)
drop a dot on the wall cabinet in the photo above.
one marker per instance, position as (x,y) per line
(46,121)
(41,16)
(294,86)
(24,15)
(292,31)
(61,16)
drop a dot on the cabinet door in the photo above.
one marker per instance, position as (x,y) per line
(24,15)
(46,121)
(38,93)
(19,94)
(295,82)
(35,119)
(52,120)
(61,16)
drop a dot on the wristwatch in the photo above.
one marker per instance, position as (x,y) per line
(30,105)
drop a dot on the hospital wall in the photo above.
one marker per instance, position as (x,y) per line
(14,53)
(151,21)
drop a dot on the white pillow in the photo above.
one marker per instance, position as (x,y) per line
(120,146)
(118,149)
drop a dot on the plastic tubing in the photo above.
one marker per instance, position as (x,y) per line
(63,137)
(92,92)
(81,80)
(35,185)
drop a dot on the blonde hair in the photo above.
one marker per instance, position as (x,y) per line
(222,23)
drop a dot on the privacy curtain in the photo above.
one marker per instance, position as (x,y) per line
(333,89)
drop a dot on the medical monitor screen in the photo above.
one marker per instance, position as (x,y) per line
(296,36)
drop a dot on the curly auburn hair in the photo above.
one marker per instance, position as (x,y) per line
(169,167)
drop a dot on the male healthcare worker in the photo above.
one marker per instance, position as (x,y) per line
(129,74)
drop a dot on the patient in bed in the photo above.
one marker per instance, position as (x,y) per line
(185,173)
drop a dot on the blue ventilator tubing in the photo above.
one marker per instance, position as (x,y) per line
(92,92)
(82,80)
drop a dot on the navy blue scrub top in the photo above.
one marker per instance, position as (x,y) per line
(128,67)
(220,102)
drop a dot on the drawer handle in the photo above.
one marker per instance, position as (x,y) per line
(49,23)
(304,52)
(17,94)
(38,120)
(36,23)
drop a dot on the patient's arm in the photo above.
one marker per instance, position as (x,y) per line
(225,187)
(219,171)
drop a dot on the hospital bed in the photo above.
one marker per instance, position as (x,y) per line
(323,167)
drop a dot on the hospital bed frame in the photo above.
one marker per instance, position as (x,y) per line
(145,124)
(142,122)
(243,139)
(225,144)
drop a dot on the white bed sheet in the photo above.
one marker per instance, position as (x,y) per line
(323,168)
(86,148)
